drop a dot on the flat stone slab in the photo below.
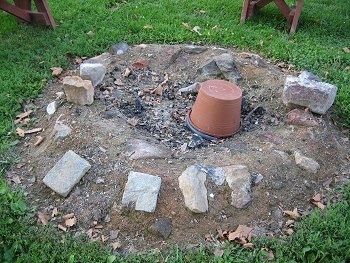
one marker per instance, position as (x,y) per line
(140,149)
(66,173)
(142,190)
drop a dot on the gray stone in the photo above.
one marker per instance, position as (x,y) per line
(66,173)
(93,71)
(283,156)
(309,76)
(191,183)
(105,59)
(193,88)
(141,190)
(225,62)
(315,95)
(140,149)
(239,180)
(301,117)
(306,163)
(193,49)
(119,49)
(162,227)
(78,91)
(216,174)
(209,71)
(61,130)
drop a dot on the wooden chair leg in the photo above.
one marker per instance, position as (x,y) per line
(43,7)
(296,16)
(244,14)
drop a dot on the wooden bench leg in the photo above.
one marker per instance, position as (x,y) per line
(43,7)
(296,16)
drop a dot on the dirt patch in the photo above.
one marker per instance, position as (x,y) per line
(126,109)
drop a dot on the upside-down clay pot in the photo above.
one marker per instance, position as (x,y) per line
(217,109)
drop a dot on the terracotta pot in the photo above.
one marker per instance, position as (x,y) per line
(217,109)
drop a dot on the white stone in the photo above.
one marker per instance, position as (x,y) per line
(51,108)
(140,149)
(66,173)
(306,163)
(93,71)
(141,190)
(191,183)
(61,130)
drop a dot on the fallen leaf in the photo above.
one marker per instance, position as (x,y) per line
(61,227)
(20,165)
(126,72)
(90,233)
(56,71)
(70,221)
(67,216)
(15,179)
(289,231)
(186,25)
(33,130)
(148,27)
(241,235)
(248,245)
(104,238)
(317,200)
(293,214)
(44,219)
(54,212)
(261,43)
(290,222)
(347,68)
(140,64)
(142,46)
(78,60)
(133,121)
(158,91)
(346,50)
(98,226)
(39,140)
(20,132)
(116,245)
(197,29)
(90,33)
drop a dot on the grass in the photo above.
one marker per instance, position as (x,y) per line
(27,53)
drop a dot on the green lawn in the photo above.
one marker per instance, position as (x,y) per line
(28,52)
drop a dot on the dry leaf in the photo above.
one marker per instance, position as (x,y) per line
(70,221)
(133,121)
(78,60)
(241,235)
(317,200)
(248,245)
(140,64)
(126,72)
(39,140)
(186,25)
(116,245)
(15,179)
(346,50)
(33,130)
(90,33)
(63,228)
(56,71)
(20,132)
(67,216)
(98,226)
(104,238)
(44,219)
(23,117)
(148,27)
(196,29)
(289,231)
(290,222)
(90,233)
(54,212)
(158,91)
(293,214)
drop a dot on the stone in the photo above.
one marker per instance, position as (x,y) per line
(301,117)
(119,49)
(315,95)
(66,173)
(78,91)
(193,49)
(93,71)
(104,59)
(283,156)
(191,183)
(209,71)
(142,190)
(51,107)
(306,163)
(161,227)
(216,174)
(61,130)
(193,88)
(239,180)
(227,66)
(309,76)
(140,149)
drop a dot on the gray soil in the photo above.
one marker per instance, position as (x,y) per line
(101,134)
